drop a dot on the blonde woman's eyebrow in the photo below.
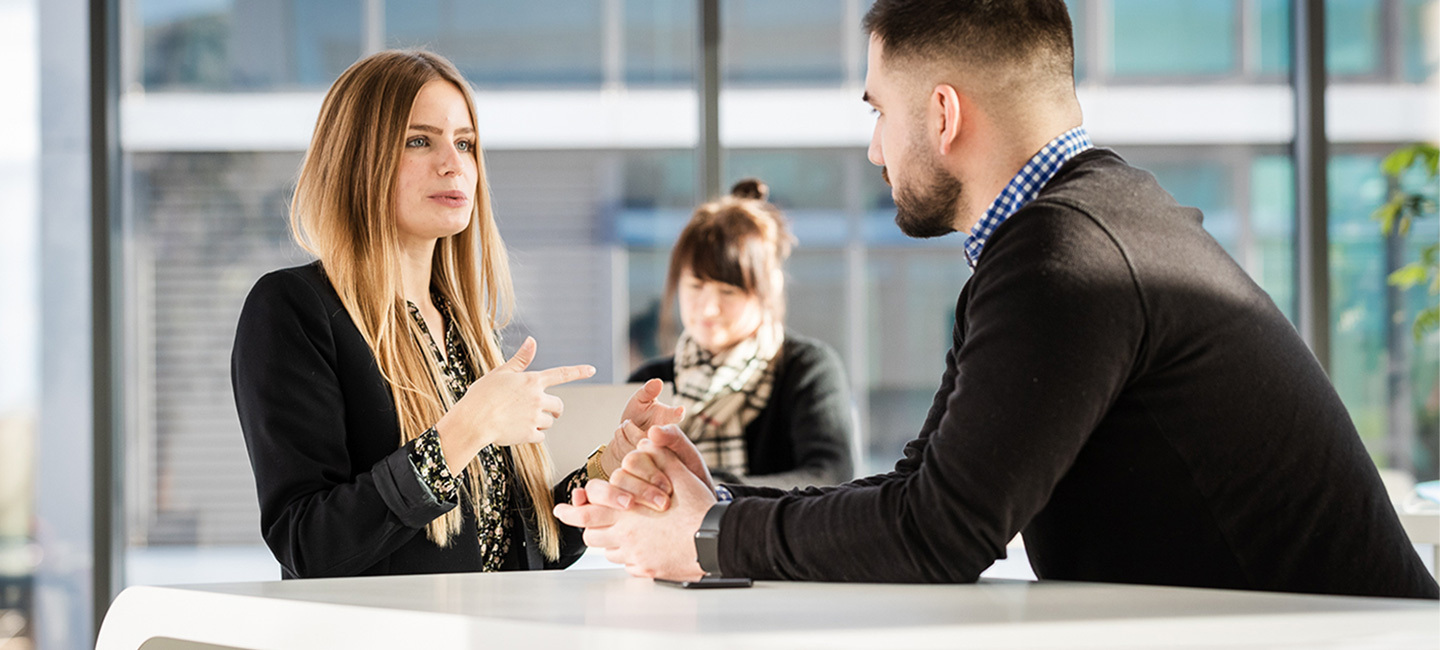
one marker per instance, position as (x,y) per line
(426,128)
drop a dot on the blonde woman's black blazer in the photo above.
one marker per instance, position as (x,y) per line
(338,494)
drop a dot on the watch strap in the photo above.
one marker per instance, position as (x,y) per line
(594,469)
(707,540)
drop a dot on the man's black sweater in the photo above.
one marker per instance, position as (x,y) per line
(1123,393)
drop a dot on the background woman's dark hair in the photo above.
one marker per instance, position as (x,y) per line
(741,239)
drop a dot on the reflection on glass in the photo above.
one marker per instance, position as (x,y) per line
(1079,23)
(1179,37)
(1387,379)
(1420,19)
(660,42)
(218,45)
(1357,294)
(1352,37)
(205,226)
(657,196)
(1271,260)
(502,42)
(795,41)
(1272,27)
(910,300)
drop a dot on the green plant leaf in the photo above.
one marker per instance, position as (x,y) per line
(1427,320)
(1399,160)
(1385,214)
(1408,276)
(1431,155)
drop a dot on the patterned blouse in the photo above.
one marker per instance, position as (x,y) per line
(496,519)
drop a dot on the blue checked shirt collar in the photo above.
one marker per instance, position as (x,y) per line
(1025,186)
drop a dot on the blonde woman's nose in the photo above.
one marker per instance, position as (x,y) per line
(450,161)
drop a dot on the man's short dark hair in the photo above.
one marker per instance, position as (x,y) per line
(982,33)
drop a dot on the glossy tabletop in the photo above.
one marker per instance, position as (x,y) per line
(607,609)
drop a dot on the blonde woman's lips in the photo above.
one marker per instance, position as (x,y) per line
(451,199)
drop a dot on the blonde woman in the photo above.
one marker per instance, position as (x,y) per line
(765,406)
(387,433)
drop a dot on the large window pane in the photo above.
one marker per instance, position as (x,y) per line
(910,300)
(1082,40)
(501,42)
(1420,20)
(205,227)
(1357,293)
(1272,28)
(218,45)
(796,41)
(20,264)
(1271,258)
(806,184)
(1352,37)
(1176,38)
(659,42)
(1386,378)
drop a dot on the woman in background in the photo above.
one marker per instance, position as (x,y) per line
(765,406)
(387,433)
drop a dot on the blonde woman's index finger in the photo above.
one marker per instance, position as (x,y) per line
(562,374)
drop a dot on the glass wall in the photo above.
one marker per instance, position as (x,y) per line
(589,126)
(19,318)
(1387,376)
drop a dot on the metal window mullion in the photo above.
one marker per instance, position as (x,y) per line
(374,26)
(612,45)
(106,342)
(1312,239)
(709,100)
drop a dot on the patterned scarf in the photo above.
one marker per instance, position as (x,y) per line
(723,394)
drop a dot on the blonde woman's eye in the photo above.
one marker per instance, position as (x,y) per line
(465,145)
(417,141)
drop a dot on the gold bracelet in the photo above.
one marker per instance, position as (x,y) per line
(593,468)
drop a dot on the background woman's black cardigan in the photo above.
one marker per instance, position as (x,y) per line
(338,495)
(802,436)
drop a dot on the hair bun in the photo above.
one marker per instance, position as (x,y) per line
(750,188)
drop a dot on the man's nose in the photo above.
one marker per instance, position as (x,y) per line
(877,157)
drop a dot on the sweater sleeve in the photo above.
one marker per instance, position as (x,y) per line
(319,515)
(1052,327)
(817,420)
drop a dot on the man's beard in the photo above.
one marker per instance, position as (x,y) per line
(929,212)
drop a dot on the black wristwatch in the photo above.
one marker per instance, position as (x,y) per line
(707,540)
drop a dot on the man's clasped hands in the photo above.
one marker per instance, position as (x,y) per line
(646,515)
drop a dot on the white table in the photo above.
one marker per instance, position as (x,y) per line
(1424,528)
(607,609)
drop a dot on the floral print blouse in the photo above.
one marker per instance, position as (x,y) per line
(496,519)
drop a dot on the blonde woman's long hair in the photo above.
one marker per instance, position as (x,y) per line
(343,213)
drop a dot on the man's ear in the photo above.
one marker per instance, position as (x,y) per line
(945,102)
